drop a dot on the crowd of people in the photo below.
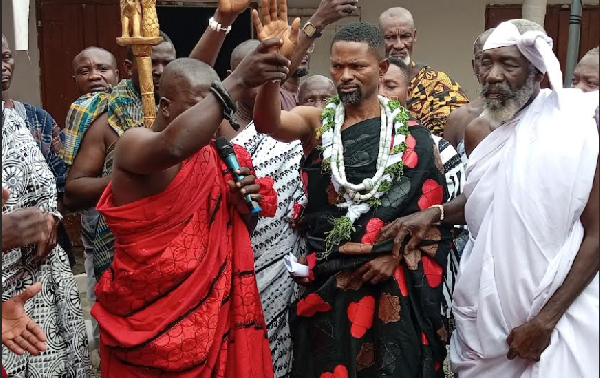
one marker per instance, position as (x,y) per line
(400,224)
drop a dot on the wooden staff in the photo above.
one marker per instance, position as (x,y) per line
(139,23)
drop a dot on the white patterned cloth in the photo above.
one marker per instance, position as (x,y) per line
(274,238)
(56,308)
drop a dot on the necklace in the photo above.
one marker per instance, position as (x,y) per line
(358,199)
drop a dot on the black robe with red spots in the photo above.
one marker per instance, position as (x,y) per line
(342,328)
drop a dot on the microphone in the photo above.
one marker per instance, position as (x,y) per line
(227,154)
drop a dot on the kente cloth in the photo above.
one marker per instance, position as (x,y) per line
(343,329)
(432,96)
(124,107)
(528,183)
(47,135)
(273,238)
(103,238)
(180,298)
(56,308)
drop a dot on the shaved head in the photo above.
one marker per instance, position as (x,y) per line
(95,51)
(315,91)
(8,64)
(243,50)
(186,74)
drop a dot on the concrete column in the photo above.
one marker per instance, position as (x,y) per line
(535,10)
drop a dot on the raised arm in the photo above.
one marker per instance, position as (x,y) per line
(84,182)
(144,152)
(329,12)
(208,47)
(268,116)
(299,124)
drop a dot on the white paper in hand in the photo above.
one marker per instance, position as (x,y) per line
(295,268)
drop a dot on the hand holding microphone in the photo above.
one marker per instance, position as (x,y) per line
(244,182)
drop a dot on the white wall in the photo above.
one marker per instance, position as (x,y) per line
(446,31)
(26,81)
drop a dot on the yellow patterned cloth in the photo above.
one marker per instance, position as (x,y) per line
(124,107)
(432,96)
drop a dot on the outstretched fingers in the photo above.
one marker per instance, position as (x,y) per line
(295,31)
(258,26)
(283,10)
(266,5)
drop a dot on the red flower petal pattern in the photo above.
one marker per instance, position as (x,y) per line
(433,271)
(312,304)
(361,316)
(433,194)
(410,157)
(399,276)
(372,231)
(340,371)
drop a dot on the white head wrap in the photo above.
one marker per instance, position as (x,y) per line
(535,45)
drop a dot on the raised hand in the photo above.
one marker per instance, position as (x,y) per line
(275,24)
(233,8)
(19,332)
(331,11)
(262,66)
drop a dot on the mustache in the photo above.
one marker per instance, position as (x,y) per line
(502,89)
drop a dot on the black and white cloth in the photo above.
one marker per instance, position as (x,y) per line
(57,308)
(274,238)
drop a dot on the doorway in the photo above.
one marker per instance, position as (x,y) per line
(195,19)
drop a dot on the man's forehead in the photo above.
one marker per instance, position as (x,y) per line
(94,56)
(396,23)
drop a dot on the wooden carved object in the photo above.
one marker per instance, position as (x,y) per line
(131,18)
(150,20)
(141,31)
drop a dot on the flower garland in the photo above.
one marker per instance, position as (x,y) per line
(358,199)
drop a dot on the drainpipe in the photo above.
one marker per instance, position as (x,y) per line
(535,10)
(21,24)
(574,40)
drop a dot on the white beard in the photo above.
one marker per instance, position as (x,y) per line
(497,112)
(407,60)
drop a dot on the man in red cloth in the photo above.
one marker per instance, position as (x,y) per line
(180,298)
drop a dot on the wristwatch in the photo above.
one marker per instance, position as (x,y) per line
(311,30)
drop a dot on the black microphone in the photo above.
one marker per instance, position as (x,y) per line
(227,154)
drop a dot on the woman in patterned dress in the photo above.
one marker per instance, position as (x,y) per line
(56,308)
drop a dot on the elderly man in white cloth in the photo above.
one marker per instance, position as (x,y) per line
(526,300)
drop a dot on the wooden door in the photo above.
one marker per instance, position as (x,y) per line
(556,25)
(65,27)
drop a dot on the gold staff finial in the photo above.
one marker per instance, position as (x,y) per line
(141,31)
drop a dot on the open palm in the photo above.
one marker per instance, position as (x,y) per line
(19,332)
(275,24)
(233,7)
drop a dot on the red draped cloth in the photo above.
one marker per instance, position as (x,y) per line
(4,375)
(180,298)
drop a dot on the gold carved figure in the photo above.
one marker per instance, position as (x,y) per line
(150,19)
(131,18)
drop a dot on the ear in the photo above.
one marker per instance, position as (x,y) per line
(229,72)
(384,66)
(473,66)
(164,106)
(415,36)
(128,65)
(117,75)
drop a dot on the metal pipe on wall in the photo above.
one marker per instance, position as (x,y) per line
(574,40)
(535,10)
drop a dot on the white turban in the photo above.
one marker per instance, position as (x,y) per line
(535,45)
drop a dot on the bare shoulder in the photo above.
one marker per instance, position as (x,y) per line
(476,131)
